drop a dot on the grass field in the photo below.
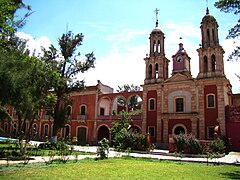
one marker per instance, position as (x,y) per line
(128,168)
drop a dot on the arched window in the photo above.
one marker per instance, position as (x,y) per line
(208,38)
(69,110)
(46,130)
(213,63)
(179,129)
(205,64)
(83,110)
(67,131)
(213,36)
(210,100)
(159,46)
(156,70)
(150,71)
(34,129)
(151,104)
(154,46)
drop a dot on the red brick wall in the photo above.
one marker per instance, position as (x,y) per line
(211,114)
(152,114)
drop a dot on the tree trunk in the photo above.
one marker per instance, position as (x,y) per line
(54,133)
(54,140)
(23,145)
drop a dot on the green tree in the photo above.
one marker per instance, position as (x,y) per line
(9,21)
(67,64)
(231,6)
(135,101)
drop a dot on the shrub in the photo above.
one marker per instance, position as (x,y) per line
(187,143)
(217,146)
(103,148)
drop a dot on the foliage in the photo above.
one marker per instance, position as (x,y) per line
(229,6)
(103,148)
(217,146)
(9,21)
(67,65)
(134,102)
(187,143)
(25,80)
(122,138)
(128,88)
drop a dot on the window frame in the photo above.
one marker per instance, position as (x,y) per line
(154,132)
(208,131)
(214,101)
(85,110)
(100,110)
(149,104)
(183,104)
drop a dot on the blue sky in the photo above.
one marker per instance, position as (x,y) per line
(117,31)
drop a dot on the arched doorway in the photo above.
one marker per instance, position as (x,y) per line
(103,132)
(179,129)
(82,135)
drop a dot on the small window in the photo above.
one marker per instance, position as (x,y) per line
(151,104)
(151,130)
(150,71)
(34,129)
(102,111)
(83,110)
(210,101)
(69,110)
(5,127)
(205,64)
(46,130)
(210,131)
(67,132)
(213,63)
(179,105)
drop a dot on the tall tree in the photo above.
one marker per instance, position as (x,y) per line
(231,6)
(67,64)
(9,21)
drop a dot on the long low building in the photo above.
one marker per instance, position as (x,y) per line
(166,105)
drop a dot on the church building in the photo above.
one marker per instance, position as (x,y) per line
(170,103)
(181,103)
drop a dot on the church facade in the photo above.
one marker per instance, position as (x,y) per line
(167,105)
(181,103)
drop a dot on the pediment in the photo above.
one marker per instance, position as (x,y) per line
(179,77)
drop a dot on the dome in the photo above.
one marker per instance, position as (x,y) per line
(156,29)
(208,17)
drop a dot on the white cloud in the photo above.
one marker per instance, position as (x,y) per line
(124,63)
(35,44)
(231,67)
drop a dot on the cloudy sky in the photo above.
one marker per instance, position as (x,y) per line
(117,31)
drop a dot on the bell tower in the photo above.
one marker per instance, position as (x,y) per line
(210,53)
(156,62)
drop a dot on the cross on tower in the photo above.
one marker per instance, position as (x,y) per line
(156,10)
(207,11)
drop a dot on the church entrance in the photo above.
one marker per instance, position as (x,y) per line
(103,132)
(179,129)
(82,135)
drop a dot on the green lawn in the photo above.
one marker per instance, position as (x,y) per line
(120,169)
